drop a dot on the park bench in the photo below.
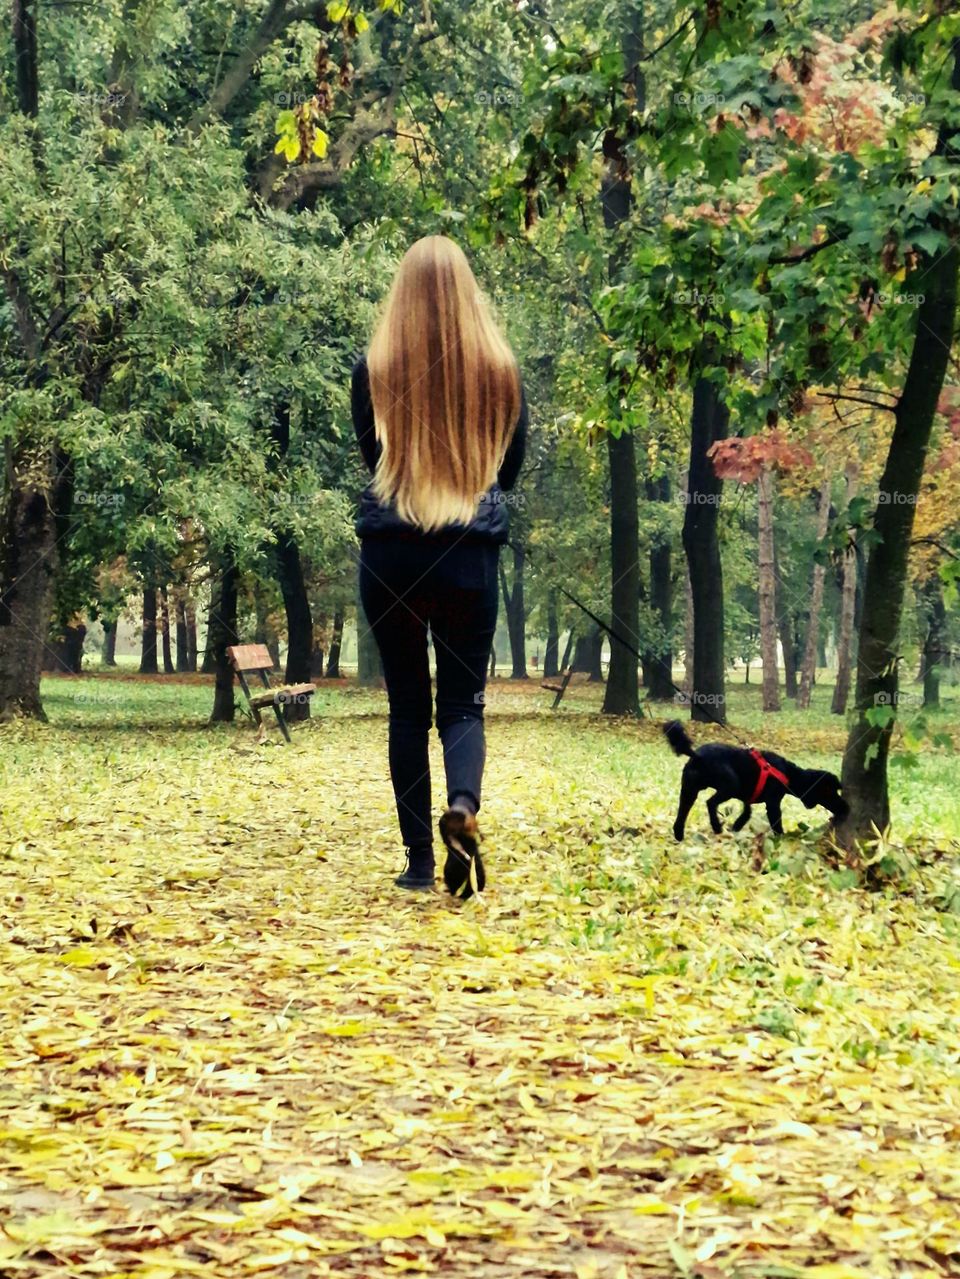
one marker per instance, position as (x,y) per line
(255,659)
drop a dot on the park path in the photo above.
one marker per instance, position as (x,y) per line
(231,1047)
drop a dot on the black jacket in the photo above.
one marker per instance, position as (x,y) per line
(377,519)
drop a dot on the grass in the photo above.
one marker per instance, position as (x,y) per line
(232,1047)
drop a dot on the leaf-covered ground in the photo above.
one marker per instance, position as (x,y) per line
(232,1047)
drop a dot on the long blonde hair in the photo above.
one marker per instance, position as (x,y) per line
(445,389)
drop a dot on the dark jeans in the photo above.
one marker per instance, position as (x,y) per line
(406,586)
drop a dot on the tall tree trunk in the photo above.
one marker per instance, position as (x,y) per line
(848,604)
(808,668)
(336,644)
(64,653)
(516,613)
(293,587)
(24,30)
(622,696)
(369,668)
(767,592)
(26,581)
(191,614)
(109,652)
(658,660)
(551,653)
(700,542)
(264,632)
(148,638)
(180,613)
(168,667)
(299,620)
(209,664)
(688,632)
(868,744)
(223,634)
(588,654)
(785,630)
(935,617)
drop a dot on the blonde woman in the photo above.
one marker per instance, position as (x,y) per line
(441,421)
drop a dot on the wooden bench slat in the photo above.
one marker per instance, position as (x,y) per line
(250,657)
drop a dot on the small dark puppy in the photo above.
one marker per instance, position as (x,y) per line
(734,773)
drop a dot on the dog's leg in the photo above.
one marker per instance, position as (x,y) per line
(742,819)
(774,816)
(713,804)
(689,791)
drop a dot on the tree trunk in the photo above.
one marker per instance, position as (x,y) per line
(785,631)
(516,614)
(109,653)
(622,696)
(148,638)
(191,613)
(935,615)
(588,654)
(168,667)
(687,632)
(73,640)
(209,664)
(551,654)
(868,744)
(369,668)
(223,634)
(848,604)
(658,658)
(299,620)
(180,613)
(316,662)
(64,654)
(767,592)
(336,644)
(28,537)
(808,667)
(701,544)
(29,554)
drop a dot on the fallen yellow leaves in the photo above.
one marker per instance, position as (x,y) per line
(629,1060)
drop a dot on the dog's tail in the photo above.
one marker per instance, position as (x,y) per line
(676,735)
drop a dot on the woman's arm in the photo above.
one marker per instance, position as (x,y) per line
(361,406)
(513,458)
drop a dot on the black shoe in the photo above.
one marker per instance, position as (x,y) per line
(418,874)
(463,872)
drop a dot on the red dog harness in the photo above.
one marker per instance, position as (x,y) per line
(767,771)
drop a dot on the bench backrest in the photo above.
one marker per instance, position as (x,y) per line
(250,657)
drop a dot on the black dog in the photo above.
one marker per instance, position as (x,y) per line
(734,773)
